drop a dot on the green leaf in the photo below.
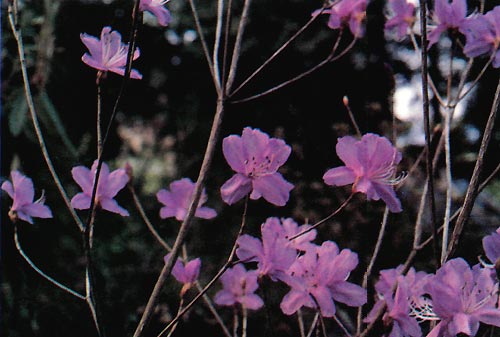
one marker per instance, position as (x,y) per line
(17,112)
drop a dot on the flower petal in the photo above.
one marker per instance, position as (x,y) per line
(273,187)
(235,188)
(339,176)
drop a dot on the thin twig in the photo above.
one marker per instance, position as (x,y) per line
(218,34)
(340,208)
(374,256)
(16,31)
(300,320)
(345,100)
(237,46)
(328,59)
(226,41)
(40,272)
(472,190)
(313,324)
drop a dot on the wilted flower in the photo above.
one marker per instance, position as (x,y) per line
(108,187)
(178,199)
(108,53)
(156,8)
(319,277)
(256,158)
(239,286)
(370,166)
(22,193)
(347,12)
(402,18)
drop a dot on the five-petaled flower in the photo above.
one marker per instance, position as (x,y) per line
(446,16)
(108,53)
(186,273)
(256,158)
(402,18)
(239,286)
(346,12)
(22,193)
(156,8)
(370,164)
(109,185)
(178,199)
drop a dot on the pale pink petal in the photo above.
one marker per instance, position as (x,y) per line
(93,44)
(490,316)
(273,187)
(167,212)
(339,176)
(235,188)
(80,201)
(463,323)
(112,206)
(84,178)
(192,269)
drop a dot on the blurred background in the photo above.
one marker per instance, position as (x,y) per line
(162,128)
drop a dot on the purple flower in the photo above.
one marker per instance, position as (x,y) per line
(370,166)
(109,186)
(156,8)
(491,245)
(178,199)
(187,273)
(462,298)
(347,12)
(274,253)
(108,53)
(407,299)
(239,286)
(403,17)
(482,35)
(22,193)
(256,158)
(446,16)
(318,277)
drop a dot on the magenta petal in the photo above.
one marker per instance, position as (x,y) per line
(224,297)
(80,201)
(235,188)
(252,301)
(463,323)
(192,269)
(232,147)
(167,212)
(249,248)
(339,176)
(386,193)
(25,217)
(323,297)
(117,180)
(254,142)
(347,151)
(84,178)
(112,206)
(206,213)
(349,293)
(7,187)
(278,153)
(24,191)
(162,15)
(294,300)
(489,316)
(38,210)
(274,188)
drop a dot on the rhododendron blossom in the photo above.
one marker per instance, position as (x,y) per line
(239,286)
(256,158)
(156,8)
(491,246)
(319,277)
(402,17)
(108,187)
(482,33)
(447,15)
(462,298)
(22,192)
(178,199)
(346,12)
(370,164)
(108,53)
(187,273)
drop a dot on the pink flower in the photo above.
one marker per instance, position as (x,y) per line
(274,254)
(347,12)
(108,53)
(256,158)
(178,199)
(319,277)
(109,185)
(187,273)
(491,246)
(239,286)
(156,8)
(403,17)
(446,16)
(22,193)
(370,166)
